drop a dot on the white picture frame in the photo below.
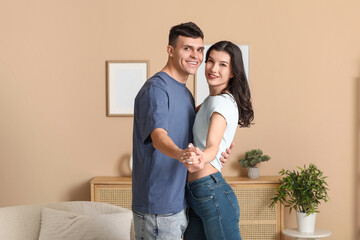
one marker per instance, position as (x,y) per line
(123,81)
(201,86)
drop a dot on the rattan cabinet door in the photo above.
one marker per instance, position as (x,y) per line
(258,221)
(119,195)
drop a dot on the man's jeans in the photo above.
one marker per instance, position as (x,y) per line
(213,210)
(159,227)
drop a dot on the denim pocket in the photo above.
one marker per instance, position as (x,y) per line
(201,193)
(139,225)
(217,185)
(233,202)
(138,215)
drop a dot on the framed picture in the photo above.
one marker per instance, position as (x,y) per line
(201,86)
(123,81)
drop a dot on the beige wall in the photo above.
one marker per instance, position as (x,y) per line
(55,136)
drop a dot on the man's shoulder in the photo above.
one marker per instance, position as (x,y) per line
(154,87)
(157,80)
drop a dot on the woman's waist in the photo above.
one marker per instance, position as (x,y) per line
(206,171)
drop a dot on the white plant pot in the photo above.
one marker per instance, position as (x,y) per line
(253,172)
(306,224)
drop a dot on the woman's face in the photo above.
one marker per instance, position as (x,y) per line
(218,69)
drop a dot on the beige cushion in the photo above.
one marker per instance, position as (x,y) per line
(62,225)
(23,222)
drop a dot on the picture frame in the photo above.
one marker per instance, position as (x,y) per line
(201,86)
(124,78)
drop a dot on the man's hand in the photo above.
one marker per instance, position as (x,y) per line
(192,158)
(226,155)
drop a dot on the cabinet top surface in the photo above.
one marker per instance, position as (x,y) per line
(316,234)
(233,180)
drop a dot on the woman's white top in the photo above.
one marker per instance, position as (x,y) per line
(225,105)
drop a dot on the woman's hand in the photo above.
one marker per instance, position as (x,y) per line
(192,158)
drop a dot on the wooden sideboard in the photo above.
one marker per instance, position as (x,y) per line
(258,221)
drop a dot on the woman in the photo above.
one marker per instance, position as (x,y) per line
(214,211)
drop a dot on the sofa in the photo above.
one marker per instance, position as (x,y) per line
(66,220)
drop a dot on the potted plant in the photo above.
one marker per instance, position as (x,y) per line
(251,159)
(302,191)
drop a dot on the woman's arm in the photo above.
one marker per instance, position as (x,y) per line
(216,131)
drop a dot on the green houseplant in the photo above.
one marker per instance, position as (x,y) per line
(251,159)
(302,190)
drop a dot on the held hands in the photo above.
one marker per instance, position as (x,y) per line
(192,158)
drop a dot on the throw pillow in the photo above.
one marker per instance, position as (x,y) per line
(62,225)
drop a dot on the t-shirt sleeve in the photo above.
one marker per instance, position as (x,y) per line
(223,106)
(154,111)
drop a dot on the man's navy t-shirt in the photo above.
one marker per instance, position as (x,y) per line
(158,181)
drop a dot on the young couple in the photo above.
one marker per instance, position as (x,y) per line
(169,174)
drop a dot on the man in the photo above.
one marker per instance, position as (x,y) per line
(164,114)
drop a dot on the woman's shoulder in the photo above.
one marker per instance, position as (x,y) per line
(224,104)
(223,99)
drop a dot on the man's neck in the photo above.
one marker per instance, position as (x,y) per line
(172,72)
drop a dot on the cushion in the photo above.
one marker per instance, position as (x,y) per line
(62,225)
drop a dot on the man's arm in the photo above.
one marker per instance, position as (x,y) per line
(163,143)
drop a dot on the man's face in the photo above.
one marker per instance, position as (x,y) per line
(187,55)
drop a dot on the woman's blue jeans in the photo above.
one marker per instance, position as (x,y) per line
(213,210)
